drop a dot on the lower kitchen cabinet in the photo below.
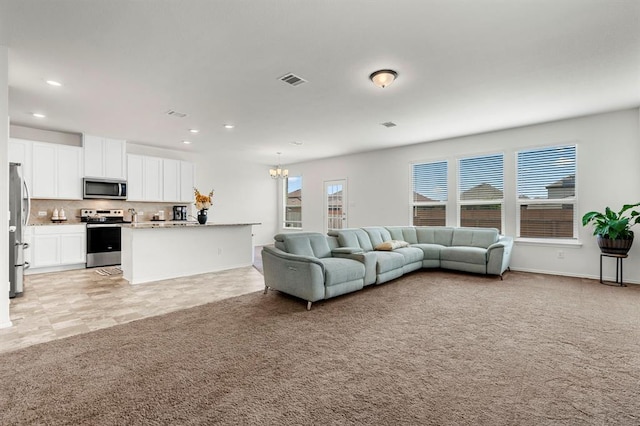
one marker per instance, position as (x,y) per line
(57,246)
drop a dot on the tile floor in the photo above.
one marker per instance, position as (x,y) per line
(61,304)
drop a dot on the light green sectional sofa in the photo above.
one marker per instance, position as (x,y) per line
(313,266)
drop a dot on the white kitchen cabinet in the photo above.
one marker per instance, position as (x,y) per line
(104,157)
(44,171)
(135,178)
(69,172)
(187,181)
(152,178)
(144,178)
(56,171)
(57,245)
(20,151)
(171,180)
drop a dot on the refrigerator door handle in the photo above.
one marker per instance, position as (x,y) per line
(26,190)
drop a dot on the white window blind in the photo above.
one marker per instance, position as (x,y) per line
(547,192)
(481,191)
(293,202)
(429,193)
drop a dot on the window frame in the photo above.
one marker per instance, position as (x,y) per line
(285,205)
(479,202)
(436,203)
(571,200)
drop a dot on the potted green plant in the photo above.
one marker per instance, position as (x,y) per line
(613,230)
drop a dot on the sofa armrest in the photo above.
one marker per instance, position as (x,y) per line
(499,255)
(301,276)
(368,259)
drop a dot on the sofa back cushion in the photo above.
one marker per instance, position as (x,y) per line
(352,237)
(304,244)
(442,235)
(403,233)
(475,237)
(377,235)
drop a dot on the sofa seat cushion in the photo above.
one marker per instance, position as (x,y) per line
(411,254)
(338,270)
(388,261)
(475,255)
(429,251)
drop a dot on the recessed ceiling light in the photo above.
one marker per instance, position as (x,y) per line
(229,126)
(38,115)
(194,130)
(54,83)
(186,142)
(296,143)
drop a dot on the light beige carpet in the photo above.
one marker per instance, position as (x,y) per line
(431,348)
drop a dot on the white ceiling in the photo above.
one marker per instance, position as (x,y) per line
(464,66)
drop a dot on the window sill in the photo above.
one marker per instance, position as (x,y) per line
(562,242)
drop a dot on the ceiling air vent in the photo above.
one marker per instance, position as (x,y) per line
(176,114)
(389,124)
(292,79)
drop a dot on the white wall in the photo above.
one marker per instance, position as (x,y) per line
(244,192)
(608,175)
(4,190)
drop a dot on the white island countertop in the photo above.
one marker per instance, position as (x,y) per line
(180,223)
(154,251)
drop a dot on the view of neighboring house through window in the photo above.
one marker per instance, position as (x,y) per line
(293,202)
(429,195)
(481,191)
(547,192)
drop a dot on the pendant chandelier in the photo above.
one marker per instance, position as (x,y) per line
(277,172)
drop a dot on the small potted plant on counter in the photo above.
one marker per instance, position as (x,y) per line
(613,230)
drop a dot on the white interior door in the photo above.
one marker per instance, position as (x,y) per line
(335,204)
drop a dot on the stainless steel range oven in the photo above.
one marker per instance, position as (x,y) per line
(103,236)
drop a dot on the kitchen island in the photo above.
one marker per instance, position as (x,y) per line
(154,251)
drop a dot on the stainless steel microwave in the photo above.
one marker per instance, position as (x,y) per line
(111,189)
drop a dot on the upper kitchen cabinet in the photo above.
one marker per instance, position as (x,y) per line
(144,178)
(178,180)
(159,179)
(104,157)
(20,151)
(56,171)
(171,180)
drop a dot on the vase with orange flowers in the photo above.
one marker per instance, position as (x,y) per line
(202,203)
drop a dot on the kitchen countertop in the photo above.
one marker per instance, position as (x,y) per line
(67,222)
(180,224)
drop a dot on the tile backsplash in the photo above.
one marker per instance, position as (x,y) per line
(72,209)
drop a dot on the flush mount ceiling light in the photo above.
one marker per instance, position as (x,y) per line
(186,142)
(194,130)
(38,115)
(229,126)
(383,78)
(54,83)
(277,172)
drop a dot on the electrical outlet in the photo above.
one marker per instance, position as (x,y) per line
(560,254)
(41,213)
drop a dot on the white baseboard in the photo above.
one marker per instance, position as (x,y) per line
(565,274)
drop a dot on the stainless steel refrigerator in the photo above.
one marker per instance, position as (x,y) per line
(19,206)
